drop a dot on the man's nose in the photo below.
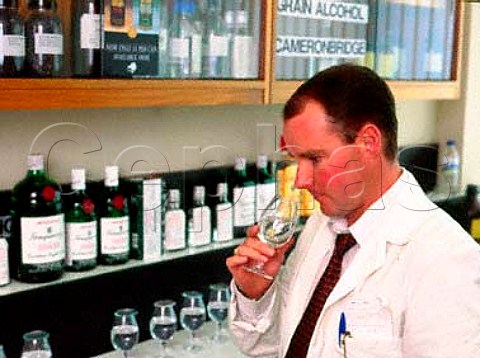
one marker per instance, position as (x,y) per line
(304,177)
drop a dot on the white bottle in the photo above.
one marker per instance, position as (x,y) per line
(222,215)
(4,271)
(451,168)
(199,220)
(174,223)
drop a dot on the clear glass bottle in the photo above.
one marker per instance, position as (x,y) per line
(44,40)
(12,40)
(185,42)
(163,39)
(38,226)
(237,20)
(266,185)
(215,55)
(222,220)
(86,38)
(80,225)
(243,199)
(175,223)
(114,223)
(199,219)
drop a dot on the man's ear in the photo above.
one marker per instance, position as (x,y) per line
(370,137)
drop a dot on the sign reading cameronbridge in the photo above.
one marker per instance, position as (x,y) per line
(295,46)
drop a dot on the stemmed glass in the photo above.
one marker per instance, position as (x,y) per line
(36,345)
(192,317)
(163,324)
(217,307)
(124,334)
(275,227)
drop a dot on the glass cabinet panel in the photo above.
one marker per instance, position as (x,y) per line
(400,39)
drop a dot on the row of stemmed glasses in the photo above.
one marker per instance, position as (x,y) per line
(163,323)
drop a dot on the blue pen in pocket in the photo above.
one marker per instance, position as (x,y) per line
(342,328)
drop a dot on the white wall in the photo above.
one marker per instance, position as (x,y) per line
(159,136)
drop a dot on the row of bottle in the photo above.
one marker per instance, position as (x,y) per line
(195,39)
(51,231)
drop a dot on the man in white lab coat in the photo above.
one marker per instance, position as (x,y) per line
(409,287)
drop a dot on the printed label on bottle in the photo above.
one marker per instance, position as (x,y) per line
(179,49)
(244,206)
(242,63)
(265,193)
(43,239)
(4,271)
(90,31)
(196,54)
(13,45)
(218,46)
(114,235)
(81,241)
(224,229)
(199,229)
(48,44)
(174,230)
(475,229)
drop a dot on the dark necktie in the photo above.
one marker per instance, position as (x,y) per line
(303,334)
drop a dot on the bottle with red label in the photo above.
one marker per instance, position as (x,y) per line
(80,225)
(38,226)
(114,224)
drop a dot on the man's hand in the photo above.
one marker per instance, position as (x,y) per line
(252,251)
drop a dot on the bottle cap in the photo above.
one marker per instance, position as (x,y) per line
(199,193)
(240,163)
(222,189)
(111,175)
(35,162)
(262,161)
(174,196)
(184,7)
(451,142)
(78,178)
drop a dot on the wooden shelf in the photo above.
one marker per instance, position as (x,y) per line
(402,90)
(65,93)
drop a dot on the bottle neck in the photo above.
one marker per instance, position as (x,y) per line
(173,205)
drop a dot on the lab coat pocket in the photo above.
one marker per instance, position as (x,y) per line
(371,327)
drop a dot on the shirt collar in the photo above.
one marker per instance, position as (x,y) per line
(394,214)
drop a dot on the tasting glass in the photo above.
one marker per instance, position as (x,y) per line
(124,334)
(36,345)
(192,317)
(276,226)
(217,308)
(163,324)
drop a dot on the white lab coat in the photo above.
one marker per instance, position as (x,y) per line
(411,289)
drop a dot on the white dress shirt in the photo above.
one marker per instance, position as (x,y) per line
(410,287)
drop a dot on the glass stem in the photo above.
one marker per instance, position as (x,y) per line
(219,329)
(125,354)
(192,338)
(163,349)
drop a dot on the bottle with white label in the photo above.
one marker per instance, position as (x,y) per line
(114,223)
(237,20)
(86,38)
(222,220)
(80,225)
(215,43)
(163,36)
(12,40)
(175,222)
(38,226)
(243,199)
(44,40)
(266,185)
(185,42)
(4,266)
(199,219)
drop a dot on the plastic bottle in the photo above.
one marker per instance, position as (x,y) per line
(451,168)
